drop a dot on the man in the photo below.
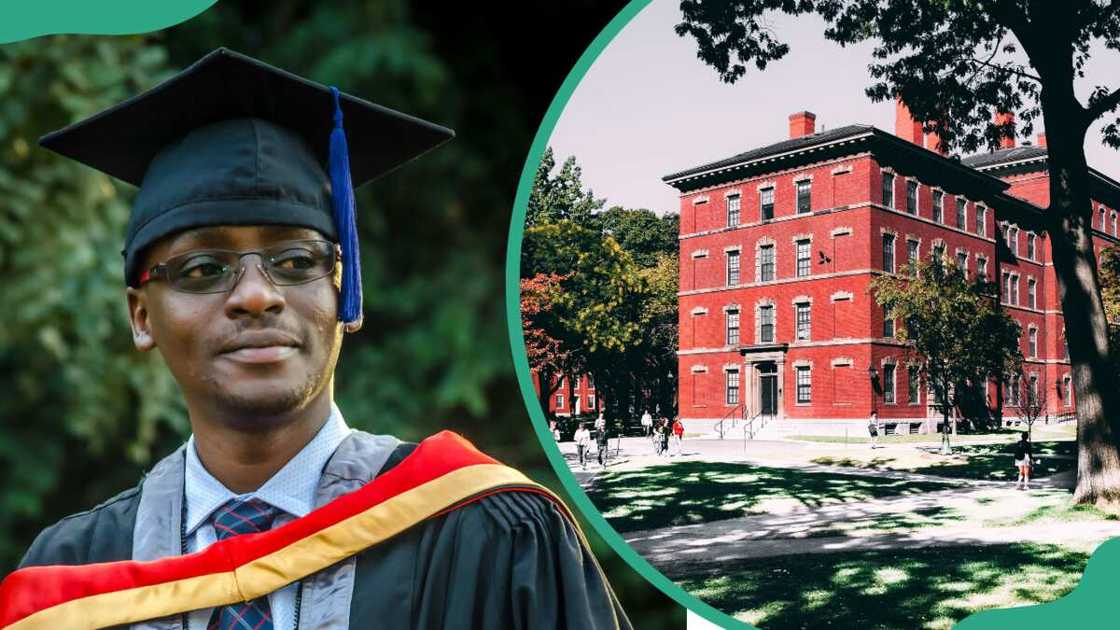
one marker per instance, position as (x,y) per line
(242,269)
(583,440)
(647,423)
(601,438)
(873,429)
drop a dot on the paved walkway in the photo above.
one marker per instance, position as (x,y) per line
(967,512)
(799,529)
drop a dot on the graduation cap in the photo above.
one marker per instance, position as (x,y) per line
(232,140)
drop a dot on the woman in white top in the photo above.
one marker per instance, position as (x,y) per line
(583,439)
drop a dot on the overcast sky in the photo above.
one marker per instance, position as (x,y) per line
(649,107)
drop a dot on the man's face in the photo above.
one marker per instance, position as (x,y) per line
(255,352)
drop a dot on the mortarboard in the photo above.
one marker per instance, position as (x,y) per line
(231,140)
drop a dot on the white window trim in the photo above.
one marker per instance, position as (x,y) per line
(700,199)
(841,296)
(841,231)
(699,369)
(842,362)
(841,170)
(699,310)
(733,192)
(700,253)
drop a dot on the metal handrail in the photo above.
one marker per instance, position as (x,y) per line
(719,425)
(749,430)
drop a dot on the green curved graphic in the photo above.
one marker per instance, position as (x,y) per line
(34,18)
(1085,607)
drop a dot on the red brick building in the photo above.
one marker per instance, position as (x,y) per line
(778,245)
(572,399)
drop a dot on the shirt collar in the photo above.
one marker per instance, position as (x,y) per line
(291,489)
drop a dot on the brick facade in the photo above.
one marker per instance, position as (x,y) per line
(576,398)
(798,229)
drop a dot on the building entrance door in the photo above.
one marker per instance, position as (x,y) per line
(768,394)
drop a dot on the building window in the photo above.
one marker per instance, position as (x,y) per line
(766,324)
(912,256)
(961,219)
(733,327)
(733,210)
(888,253)
(888,324)
(1015,289)
(1031,246)
(937,255)
(912,196)
(766,203)
(591,401)
(913,384)
(1011,393)
(765,263)
(1013,241)
(804,264)
(732,268)
(982,268)
(1032,293)
(962,262)
(803,319)
(1032,343)
(888,190)
(1006,288)
(803,196)
(938,207)
(559,401)
(981,220)
(733,387)
(888,383)
(804,385)
(1068,382)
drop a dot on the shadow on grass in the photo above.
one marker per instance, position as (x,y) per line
(1061,448)
(995,467)
(893,521)
(921,588)
(697,492)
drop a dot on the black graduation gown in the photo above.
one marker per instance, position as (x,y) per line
(510,560)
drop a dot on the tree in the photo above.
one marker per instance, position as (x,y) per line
(954,64)
(1110,292)
(1032,398)
(548,355)
(642,233)
(560,197)
(961,336)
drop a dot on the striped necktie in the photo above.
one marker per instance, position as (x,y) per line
(234,518)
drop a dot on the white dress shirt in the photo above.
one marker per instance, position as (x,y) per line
(291,491)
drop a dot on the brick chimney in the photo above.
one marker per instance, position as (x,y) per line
(1007,139)
(905,126)
(933,143)
(1042,139)
(802,124)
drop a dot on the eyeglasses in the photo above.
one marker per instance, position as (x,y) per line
(219,270)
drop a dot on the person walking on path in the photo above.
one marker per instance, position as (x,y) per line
(873,428)
(647,423)
(583,440)
(1023,455)
(678,435)
(663,435)
(554,430)
(601,438)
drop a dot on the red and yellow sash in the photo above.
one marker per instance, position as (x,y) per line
(443,473)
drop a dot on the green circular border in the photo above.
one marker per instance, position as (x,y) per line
(517,340)
(1086,603)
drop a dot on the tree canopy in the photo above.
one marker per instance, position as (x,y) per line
(957,330)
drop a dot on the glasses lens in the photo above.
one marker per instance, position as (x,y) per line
(202,271)
(296,263)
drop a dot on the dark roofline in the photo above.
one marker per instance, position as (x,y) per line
(878,140)
(778,149)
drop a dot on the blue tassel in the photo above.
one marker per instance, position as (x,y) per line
(342,198)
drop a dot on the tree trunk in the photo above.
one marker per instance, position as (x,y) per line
(1069,223)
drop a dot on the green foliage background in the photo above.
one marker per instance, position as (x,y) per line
(84,415)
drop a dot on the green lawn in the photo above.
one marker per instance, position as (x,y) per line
(915,589)
(684,493)
(974,461)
